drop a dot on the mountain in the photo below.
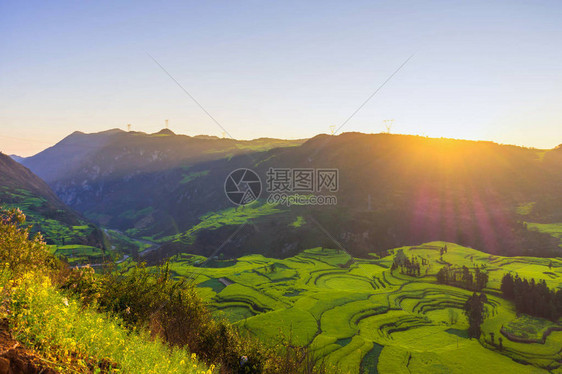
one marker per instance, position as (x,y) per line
(17,158)
(19,187)
(67,155)
(394,190)
(88,158)
(121,179)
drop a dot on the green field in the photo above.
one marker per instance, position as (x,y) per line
(552,229)
(230,216)
(358,315)
(76,254)
(38,215)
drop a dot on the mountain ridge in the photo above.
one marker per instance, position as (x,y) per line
(394,190)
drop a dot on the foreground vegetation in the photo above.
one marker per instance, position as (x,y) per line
(75,338)
(69,336)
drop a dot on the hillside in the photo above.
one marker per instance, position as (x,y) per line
(60,225)
(394,190)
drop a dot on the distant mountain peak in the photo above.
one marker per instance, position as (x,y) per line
(164,132)
(17,158)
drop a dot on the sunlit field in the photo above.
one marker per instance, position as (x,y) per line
(357,313)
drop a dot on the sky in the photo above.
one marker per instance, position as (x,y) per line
(482,70)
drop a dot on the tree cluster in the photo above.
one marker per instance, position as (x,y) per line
(409,266)
(531,297)
(463,277)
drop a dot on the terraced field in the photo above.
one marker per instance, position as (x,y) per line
(358,315)
(76,254)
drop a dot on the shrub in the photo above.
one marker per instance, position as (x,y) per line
(83,339)
(18,252)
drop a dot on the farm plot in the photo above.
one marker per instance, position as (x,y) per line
(363,317)
(77,254)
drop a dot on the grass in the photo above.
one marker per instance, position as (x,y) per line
(294,323)
(39,216)
(356,314)
(73,337)
(230,216)
(191,176)
(77,254)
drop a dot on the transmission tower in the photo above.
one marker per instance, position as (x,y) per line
(388,124)
(128,127)
(332,130)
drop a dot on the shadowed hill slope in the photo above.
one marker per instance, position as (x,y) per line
(19,187)
(394,190)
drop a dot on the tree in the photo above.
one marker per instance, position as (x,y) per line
(475,312)
(453,316)
(507,286)
(467,277)
(443,275)
(399,258)
(492,338)
(481,278)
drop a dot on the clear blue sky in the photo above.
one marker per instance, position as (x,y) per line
(288,69)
